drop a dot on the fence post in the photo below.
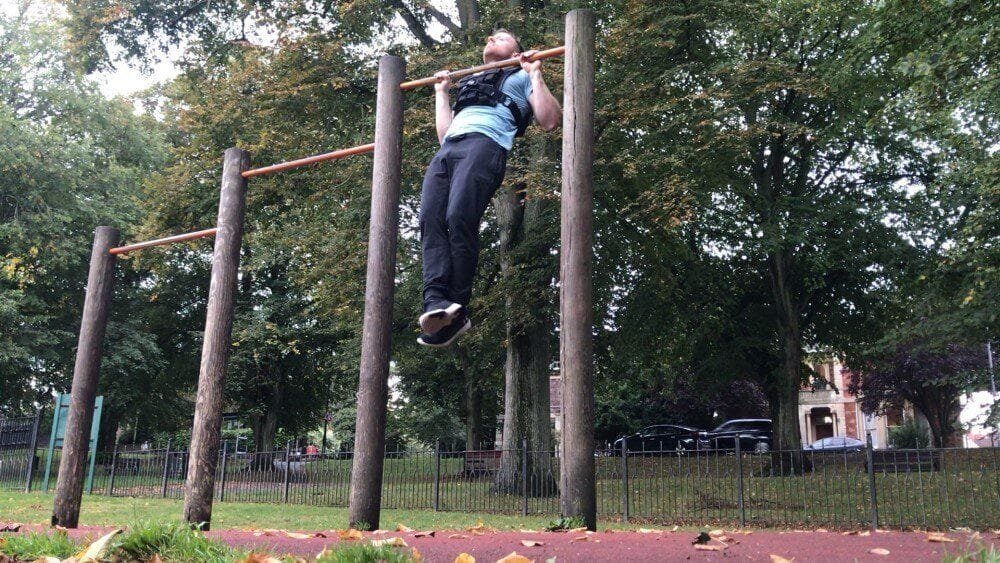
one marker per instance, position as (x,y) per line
(437,474)
(288,465)
(625,480)
(111,478)
(32,451)
(524,477)
(869,454)
(166,470)
(222,477)
(739,484)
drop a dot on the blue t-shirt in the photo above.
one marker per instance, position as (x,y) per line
(496,122)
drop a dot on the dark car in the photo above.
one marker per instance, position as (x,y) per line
(837,444)
(660,438)
(754,435)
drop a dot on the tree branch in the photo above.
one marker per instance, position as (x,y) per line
(443,18)
(416,28)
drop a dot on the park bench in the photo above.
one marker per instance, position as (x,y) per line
(481,462)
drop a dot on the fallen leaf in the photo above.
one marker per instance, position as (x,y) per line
(380,532)
(716,533)
(513,557)
(96,551)
(301,536)
(404,528)
(155,559)
(724,539)
(879,551)
(43,559)
(531,543)
(648,531)
(577,530)
(939,537)
(260,558)
(702,538)
(528,531)
(415,555)
(458,537)
(706,547)
(391,542)
(821,530)
(675,528)
(12,527)
(780,559)
(865,534)
(427,534)
(581,538)
(465,558)
(350,534)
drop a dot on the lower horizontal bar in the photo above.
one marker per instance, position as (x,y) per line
(162,241)
(309,160)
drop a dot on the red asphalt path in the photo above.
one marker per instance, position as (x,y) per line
(624,546)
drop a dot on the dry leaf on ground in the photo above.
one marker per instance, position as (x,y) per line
(577,530)
(879,551)
(465,558)
(458,537)
(96,551)
(155,559)
(513,557)
(427,534)
(648,531)
(531,543)
(780,559)
(391,542)
(707,547)
(528,531)
(301,536)
(260,558)
(716,533)
(349,534)
(939,537)
(404,528)
(11,527)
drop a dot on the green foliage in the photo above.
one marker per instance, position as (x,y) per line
(171,541)
(364,553)
(565,523)
(908,435)
(33,545)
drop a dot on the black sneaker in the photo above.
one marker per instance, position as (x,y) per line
(436,318)
(444,337)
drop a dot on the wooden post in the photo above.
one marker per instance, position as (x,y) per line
(204,453)
(576,356)
(32,451)
(369,438)
(86,371)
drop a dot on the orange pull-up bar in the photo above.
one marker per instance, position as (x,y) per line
(546,54)
(164,240)
(360,149)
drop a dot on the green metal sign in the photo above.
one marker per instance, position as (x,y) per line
(59,418)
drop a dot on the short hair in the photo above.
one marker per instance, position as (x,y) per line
(517,41)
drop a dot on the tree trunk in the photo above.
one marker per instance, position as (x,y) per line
(529,347)
(942,410)
(473,414)
(264,427)
(468,14)
(784,390)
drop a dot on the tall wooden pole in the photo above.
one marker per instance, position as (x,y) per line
(86,372)
(369,438)
(576,350)
(204,453)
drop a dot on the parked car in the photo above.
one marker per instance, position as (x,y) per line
(837,444)
(660,438)
(754,435)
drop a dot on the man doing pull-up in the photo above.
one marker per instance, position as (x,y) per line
(491,109)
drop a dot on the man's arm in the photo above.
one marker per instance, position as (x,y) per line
(442,105)
(544,105)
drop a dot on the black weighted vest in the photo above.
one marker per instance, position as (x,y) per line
(484,89)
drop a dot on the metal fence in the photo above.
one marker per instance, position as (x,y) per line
(929,489)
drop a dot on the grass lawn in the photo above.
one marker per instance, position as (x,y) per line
(36,508)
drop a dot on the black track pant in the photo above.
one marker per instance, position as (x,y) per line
(458,186)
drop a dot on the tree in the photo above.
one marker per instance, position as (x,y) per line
(931,378)
(70,160)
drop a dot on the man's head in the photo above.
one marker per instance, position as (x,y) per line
(500,45)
